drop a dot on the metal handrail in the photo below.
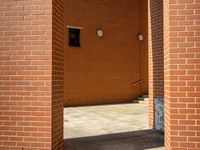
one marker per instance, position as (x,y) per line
(137,82)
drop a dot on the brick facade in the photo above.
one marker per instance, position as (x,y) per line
(156,72)
(182,74)
(144,46)
(31,108)
(26,54)
(32,72)
(58,46)
(103,70)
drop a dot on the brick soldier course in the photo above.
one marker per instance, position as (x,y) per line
(32,44)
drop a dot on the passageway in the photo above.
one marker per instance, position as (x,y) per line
(110,127)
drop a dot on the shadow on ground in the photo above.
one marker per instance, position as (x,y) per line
(136,140)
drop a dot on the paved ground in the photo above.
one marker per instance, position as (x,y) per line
(110,127)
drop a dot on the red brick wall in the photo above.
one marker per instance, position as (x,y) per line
(103,69)
(144,45)
(156,77)
(31,61)
(182,74)
(26,75)
(58,73)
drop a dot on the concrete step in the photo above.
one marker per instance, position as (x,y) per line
(135,101)
(145,96)
(144,102)
(140,98)
(144,99)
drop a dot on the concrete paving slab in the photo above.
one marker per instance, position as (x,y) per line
(110,127)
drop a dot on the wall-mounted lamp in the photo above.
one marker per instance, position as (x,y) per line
(99,32)
(140,37)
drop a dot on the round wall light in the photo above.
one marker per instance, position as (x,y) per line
(140,37)
(99,32)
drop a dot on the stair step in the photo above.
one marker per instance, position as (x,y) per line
(135,101)
(143,102)
(145,96)
(140,98)
(143,99)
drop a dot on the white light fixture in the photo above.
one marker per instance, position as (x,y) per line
(99,32)
(140,37)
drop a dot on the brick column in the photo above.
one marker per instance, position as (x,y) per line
(58,73)
(28,97)
(182,74)
(155,38)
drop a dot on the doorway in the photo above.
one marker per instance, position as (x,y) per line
(107,69)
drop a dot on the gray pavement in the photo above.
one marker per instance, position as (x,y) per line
(110,127)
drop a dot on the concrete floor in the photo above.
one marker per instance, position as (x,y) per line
(110,127)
